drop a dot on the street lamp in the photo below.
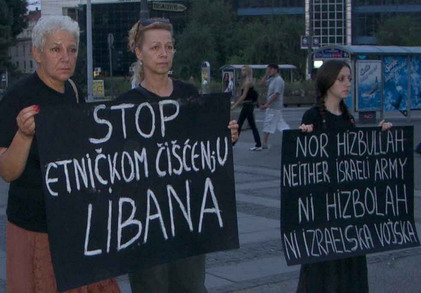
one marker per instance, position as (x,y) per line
(310,39)
(144,12)
(89,50)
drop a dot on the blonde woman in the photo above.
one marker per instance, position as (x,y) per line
(152,42)
(248,99)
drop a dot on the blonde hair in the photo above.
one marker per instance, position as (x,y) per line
(249,72)
(249,76)
(136,36)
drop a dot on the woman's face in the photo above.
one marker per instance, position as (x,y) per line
(340,89)
(57,60)
(243,71)
(156,52)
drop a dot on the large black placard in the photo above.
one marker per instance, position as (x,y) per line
(346,193)
(131,185)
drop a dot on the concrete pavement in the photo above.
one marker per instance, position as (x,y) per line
(259,265)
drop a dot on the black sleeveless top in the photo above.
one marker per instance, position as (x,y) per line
(251,95)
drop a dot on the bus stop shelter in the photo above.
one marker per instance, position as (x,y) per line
(232,72)
(386,78)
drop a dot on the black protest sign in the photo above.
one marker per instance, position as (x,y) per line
(346,193)
(128,185)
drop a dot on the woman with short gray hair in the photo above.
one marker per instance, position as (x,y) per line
(28,258)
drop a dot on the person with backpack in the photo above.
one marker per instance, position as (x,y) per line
(248,98)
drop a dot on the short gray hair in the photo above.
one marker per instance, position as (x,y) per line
(48,25)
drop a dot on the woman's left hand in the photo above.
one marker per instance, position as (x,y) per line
(233,125)
(385,125)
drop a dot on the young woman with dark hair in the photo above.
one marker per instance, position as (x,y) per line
(333,83)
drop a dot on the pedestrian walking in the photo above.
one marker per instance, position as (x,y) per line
(152,42)
(248,99)
(29,267)
(333,83)
(274,119)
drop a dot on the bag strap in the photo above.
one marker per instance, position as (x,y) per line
(72,83)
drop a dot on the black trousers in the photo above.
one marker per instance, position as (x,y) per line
(348,275)
(247,112)
(182,276)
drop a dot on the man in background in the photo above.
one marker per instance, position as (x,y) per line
(274,103)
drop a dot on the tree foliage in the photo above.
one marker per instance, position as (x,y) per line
(270,40)
(215,34)
(17,11)
(399,31)
(12,22)
(5,34)
(208,36)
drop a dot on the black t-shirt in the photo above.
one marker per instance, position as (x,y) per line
(313,116)
(181,90)
(26,206)
(251,96)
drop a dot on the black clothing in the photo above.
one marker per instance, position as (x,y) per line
(313,116)
(247,112)
(184,275)
(343,275)
(251,96)
(181,90)
(26,206)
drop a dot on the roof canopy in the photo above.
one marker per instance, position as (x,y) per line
(375,50)
(256,66)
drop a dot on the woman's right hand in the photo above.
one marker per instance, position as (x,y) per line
(306,127)
(26,121)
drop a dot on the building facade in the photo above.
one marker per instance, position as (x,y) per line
(343,22)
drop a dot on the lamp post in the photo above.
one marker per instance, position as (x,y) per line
(144,12)
(110,41)
(89,50)
(310,39)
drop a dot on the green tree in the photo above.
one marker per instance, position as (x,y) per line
(213,33)
(12,22)
(5,35)
(399,31)
(17,11)
(270,40)
(208,36)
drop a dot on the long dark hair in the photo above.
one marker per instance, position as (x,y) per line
(326,77)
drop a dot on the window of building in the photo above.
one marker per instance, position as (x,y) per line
(329,21)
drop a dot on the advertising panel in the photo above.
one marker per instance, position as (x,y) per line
(395,70)
(369,85)
(416,83)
